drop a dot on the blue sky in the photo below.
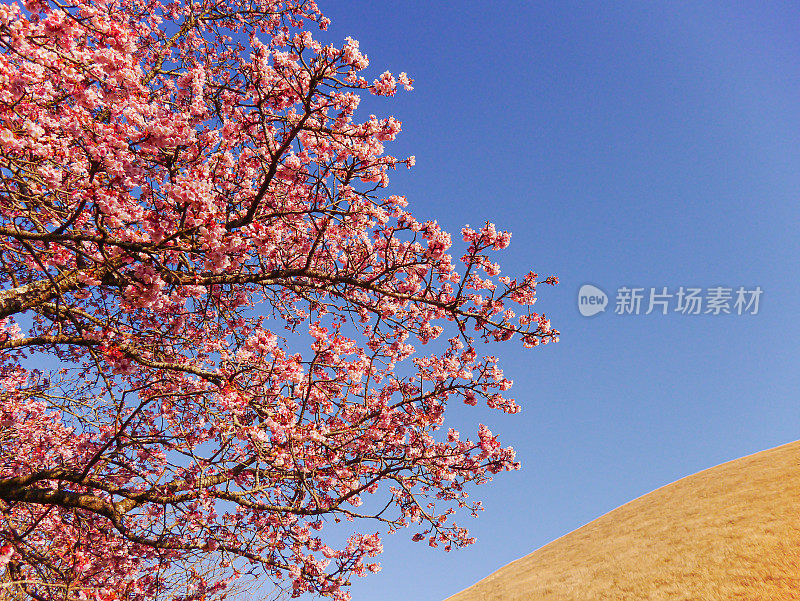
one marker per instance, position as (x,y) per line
(627,144)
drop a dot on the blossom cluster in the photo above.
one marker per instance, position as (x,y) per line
(194,235)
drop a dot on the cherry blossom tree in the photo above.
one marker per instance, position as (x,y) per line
(211,315)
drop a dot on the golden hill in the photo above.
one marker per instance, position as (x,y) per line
(729,532)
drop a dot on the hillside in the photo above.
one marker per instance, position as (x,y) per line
(729,532)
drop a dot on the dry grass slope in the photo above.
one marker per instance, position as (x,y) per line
(729,532)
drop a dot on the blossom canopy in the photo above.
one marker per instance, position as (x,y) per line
(210,312)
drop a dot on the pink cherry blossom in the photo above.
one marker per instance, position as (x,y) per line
(212,321)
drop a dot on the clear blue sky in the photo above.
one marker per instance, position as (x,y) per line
(627,144)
